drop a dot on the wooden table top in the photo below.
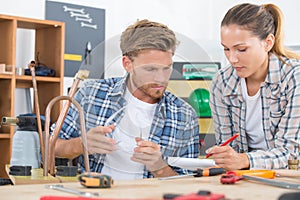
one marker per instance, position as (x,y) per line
(154,189)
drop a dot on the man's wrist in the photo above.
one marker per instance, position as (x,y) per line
(164,171)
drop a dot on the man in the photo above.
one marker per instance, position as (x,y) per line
(150,125)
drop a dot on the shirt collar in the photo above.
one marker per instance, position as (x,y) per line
(119,87)
(273,76)
(233,82)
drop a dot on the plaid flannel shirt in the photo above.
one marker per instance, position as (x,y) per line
(280,97)
(175,125)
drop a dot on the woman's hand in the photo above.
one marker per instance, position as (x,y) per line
(228,158)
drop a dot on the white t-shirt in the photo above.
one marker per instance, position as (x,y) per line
(136,122)
(254,128)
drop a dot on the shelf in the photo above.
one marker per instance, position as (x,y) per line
(49,42)
(26,81)
(5,76)
(28,23)
(38,78)
(5,135)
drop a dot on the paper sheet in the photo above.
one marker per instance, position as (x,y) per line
(190,163)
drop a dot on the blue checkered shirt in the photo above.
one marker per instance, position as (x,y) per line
(280,97)
(175,125)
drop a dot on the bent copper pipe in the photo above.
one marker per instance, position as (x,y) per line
(37,107)
(80,76)
(49,151)
(63,113)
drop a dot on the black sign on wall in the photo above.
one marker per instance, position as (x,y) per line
(84,37)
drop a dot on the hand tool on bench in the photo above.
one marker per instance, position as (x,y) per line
(264,173)
(72,191)
(263,176)
(199,173)
(95,180)
(232,177)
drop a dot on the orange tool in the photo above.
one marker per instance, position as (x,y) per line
(264,173)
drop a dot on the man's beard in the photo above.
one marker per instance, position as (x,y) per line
(148,90)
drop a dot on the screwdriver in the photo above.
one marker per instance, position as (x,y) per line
(72,191)
(199,173)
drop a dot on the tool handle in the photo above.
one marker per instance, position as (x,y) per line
(210,172)
(264,173)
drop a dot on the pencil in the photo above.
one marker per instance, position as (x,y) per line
(225,143)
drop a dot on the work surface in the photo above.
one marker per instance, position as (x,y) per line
(154,189)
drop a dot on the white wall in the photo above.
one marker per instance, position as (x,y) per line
(195,20)
(197,23)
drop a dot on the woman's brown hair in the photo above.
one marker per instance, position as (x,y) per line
(261,21)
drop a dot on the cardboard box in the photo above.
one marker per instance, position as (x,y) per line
(6,69)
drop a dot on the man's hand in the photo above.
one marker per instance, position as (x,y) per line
(98,142)
(149,154)
(228,158)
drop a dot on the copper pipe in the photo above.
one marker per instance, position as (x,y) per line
(81,75)
(49,152)
(37,107)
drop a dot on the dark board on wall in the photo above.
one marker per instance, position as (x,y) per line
(84,36)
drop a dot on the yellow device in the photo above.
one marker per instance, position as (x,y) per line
(95,180)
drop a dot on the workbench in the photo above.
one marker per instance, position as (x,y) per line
(154,189)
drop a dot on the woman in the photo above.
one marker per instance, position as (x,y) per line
(258,94)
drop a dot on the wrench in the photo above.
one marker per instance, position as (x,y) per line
(72,191)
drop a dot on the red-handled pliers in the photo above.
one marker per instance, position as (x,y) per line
(233,176)
(230,178)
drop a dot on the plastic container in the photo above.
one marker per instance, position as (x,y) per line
(26,149)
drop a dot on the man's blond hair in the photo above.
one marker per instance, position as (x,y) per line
(145,34)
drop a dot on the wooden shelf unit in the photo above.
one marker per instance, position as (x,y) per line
(49,44)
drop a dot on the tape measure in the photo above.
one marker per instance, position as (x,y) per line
(95,180)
